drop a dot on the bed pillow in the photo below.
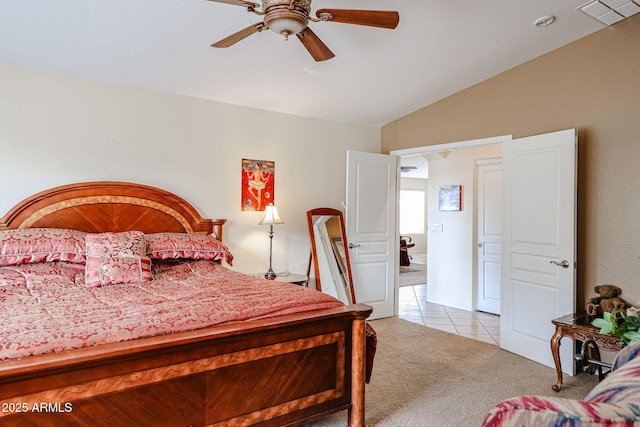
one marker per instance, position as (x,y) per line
(190,246)
(116,258)
(31,245)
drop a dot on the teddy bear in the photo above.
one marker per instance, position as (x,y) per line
(608,301)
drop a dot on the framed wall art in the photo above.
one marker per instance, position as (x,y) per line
(258,184)
(450,198)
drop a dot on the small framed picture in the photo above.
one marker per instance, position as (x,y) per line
(451,198)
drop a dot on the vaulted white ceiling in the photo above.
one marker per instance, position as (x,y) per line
(378,75)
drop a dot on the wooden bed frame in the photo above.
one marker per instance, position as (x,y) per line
(281,371)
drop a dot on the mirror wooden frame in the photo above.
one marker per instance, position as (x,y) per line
(317,252)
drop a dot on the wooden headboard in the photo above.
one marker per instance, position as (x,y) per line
(103,206)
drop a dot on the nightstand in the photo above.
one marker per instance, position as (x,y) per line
(296,279)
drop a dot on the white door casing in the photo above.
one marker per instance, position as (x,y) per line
(488,234)
(371,229)
(539,232)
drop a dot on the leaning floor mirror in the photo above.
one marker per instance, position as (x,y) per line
(329,253)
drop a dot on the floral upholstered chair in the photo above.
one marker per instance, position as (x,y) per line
(614,402)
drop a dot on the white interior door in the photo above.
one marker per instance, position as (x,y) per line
(538,238)
(488,235)
(371,229)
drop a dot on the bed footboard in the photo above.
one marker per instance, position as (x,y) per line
(274,372)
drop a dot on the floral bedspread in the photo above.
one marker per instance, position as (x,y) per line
(47,307)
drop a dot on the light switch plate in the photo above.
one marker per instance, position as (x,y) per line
(436,228)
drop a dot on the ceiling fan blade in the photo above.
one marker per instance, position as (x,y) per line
(314,45)
(240,35)
(371,18)
(238,3)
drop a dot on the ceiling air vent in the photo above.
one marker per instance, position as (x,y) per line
(609,12)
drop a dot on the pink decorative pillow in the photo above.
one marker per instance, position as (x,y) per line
(182,245)
(116,258)
(31,245)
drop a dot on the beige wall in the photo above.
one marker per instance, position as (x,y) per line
(57,130)
(592,85)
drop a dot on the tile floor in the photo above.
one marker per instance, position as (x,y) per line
(414,307)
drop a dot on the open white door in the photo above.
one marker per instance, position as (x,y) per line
(538,243)
(371,229)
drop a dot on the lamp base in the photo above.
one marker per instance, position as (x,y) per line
(270,275)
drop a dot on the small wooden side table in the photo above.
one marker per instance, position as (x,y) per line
(577,326)
(296,279)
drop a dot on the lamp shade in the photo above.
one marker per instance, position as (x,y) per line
(271,216)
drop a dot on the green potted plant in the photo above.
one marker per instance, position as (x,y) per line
(625,327)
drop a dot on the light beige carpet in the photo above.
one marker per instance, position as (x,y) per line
(423,377)
(414,274)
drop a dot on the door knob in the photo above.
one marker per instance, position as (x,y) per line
(351,246)
(480,245)
(564,263)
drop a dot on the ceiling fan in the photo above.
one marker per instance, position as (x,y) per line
(289,17)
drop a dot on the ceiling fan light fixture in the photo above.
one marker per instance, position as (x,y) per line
(286,25)
(286,17)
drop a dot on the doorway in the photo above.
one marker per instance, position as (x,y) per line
(447,301)
(450,233)
(538,243)
(412,209)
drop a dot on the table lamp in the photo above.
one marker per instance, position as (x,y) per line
(270,217)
